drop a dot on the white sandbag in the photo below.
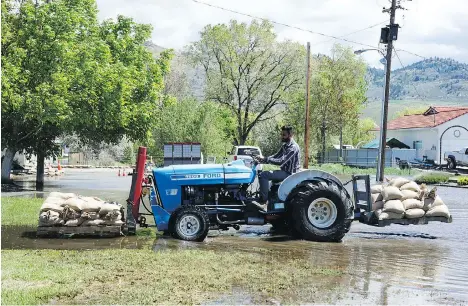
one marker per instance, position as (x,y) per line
(430,203)
(438,211)
(116,222)
(74,222)
(382,215)
(414,213)
(411,186)
(50,218)
(376,189)
(70,213)
(391,193)
(108,207)
(61,195)
(112,216)
(93,222)
(395,206)
(398,182)
(376,197)
(377,205)
(74,203)
(50,206)
(409,194)
(55,200)
(88,215)
(413,204)
(91,205)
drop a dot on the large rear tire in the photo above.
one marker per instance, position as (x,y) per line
(189,223)
(322,211)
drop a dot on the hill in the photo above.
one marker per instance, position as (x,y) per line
(439,79)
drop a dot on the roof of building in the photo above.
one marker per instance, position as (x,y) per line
(391,143)
(433,116)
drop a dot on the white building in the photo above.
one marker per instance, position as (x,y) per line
(438,130)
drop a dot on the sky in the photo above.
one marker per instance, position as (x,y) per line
(428,27)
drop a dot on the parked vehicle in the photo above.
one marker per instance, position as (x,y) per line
(457,158)
(244,153)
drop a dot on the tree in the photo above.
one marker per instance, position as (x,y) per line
(62,71)
(248,71)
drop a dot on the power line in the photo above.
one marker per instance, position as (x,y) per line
(284,24)
(411,53)
(357,31)
(404,67)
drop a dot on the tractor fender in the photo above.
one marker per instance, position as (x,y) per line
(305,175)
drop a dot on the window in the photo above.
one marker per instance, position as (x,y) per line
(248,151)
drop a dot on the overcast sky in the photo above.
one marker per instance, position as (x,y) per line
(428,27)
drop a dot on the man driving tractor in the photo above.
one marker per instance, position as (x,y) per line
(287,158)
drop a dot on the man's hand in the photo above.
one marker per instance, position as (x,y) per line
(260,159)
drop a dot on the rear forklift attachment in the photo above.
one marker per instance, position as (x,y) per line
(363,208)
(133,201)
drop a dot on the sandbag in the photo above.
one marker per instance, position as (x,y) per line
(409,194)
(377,205)
(413,204)
(382,215)
(62,195)
(414,213)
(50,206)
(395,206)
(70,213)
(112,216)
(55,200)
(376,197)
(411,186)
(116,222)
(93,222)
(74,222)
(376,189)
(391,193)
(398,182)
(430,203)
(91,205)
(50,218)
(438,211)
(74,203)
(88,215)
(108,207)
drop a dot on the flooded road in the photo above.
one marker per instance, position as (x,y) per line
(426,264)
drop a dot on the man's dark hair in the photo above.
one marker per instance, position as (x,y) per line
(287,128)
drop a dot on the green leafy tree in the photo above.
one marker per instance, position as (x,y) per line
(248,71)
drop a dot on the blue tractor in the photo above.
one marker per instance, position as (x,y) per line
(187,201)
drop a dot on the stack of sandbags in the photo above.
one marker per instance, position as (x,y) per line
(73,210)
(402,198)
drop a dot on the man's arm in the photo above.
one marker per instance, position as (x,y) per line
(277,155)
(286,155)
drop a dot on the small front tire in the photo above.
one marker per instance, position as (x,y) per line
(451,164)
(190,223)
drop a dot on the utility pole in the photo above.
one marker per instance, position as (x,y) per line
(306,134)
(391,35)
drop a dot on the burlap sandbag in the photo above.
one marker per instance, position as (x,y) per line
(376,197)
(50,206)
(409,194)
(395,206)
(438,211)
(93,222)
(382,215)
(74,203)
(88,215)
(398,182)
(413,204)
(70,213)
(50,218)
(376,189)
(112,216)
(377,205)
(62,195)
(55,200)
(108,207)
(391,193)
(411,186)
(430,203)
(91,205)
(116,222)
(414,213)
(75,222)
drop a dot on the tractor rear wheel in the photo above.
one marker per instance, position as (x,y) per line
(322,211)
(190,223)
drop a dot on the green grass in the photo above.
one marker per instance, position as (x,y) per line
(432,178)
(463,181)
(20,211)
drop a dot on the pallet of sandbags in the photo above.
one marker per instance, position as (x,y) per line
(68,213)
(402,201)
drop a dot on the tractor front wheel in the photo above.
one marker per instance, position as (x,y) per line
(190,223)
(322,211)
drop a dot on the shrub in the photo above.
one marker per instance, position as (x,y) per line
(432,178)
(463,181)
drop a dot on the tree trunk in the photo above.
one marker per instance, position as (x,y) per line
(7,164)
(323,142)
(341,142)
(40,171)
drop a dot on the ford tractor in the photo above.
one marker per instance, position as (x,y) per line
(186,201)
